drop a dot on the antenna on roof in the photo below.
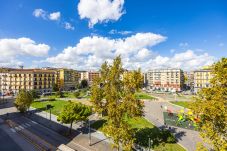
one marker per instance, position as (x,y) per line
(21,67)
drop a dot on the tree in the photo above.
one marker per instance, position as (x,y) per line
(55,87)
(84,84)
(23,101)
(76,94)
(34,94)
(210,106)
(113,94)
(60,94)
(73,112)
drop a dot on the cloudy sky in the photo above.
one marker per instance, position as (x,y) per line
(82,34)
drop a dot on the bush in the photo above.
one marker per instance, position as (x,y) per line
(168,137)
(76,94)
(60,94)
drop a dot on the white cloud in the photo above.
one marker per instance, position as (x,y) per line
(135,51)
(90,52)
(183,44)
(99,11)
(40,13)
(11,49)
(55,16)
(68,26)
(113,31)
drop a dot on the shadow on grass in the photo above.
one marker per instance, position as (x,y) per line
(157,136)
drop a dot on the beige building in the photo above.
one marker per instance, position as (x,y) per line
(202,79)
(90,76)
(14,80)
(165,79)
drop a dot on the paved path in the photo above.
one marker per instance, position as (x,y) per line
(153,112)
(99,141)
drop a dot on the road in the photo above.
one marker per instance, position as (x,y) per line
(154,113)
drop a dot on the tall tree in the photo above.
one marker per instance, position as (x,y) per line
(211,107)
(84,84)
(114,94)
(55,87)
(73,112)
(23,101)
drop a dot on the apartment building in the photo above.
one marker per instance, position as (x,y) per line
(165,79)
(13,80)
(67,79)
(189,80)
(202,79)
(90,76)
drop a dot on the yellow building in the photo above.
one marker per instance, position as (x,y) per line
(67,79)
(202,79)
(28,79)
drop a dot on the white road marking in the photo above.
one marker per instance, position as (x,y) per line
(27,124)
(34,122)
(13,130)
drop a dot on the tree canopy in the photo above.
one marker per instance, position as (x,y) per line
(113,94)
(83,83)
(23,100)
(73,112)
(211,107)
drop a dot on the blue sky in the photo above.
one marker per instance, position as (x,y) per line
(186,34)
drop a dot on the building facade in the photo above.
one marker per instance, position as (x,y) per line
(67,79)
(28,79)
(165,79)
(90,76)
(202,79)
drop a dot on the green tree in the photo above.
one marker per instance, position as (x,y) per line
(73,112)
(60,94)
(210,106)
(76,94)
(55,87)
(84,84)
(23,101)
(34,94)
(113,94)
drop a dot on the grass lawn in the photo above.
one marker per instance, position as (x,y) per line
(182,103)
(58,105)
(141,95)
(146,128)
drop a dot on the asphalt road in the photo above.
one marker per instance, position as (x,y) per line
(154,113)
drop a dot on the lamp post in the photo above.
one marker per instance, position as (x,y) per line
(150,143)
(89,131)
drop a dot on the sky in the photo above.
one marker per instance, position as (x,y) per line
(82,34)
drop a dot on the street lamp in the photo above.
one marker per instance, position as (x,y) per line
(89,131)
(150,143)
(49,106)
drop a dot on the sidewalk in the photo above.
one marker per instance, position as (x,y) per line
(99,142)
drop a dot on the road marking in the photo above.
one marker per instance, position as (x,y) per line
(21,127)
(27,124)
(17,128)
(13,130)
(34,122)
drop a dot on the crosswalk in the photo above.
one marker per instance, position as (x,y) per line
(23,126)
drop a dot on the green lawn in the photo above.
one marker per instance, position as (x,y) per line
(182,103)
(57,105)
(141,95)
(143,129)
(83,94)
